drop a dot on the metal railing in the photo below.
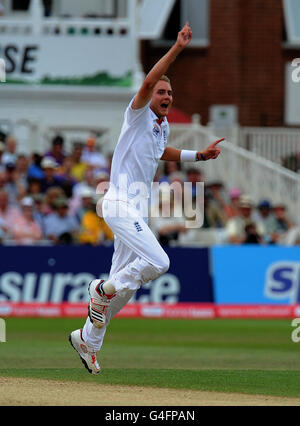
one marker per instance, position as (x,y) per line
(274,144)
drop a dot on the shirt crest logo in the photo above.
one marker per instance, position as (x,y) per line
(138,227)
(155,131)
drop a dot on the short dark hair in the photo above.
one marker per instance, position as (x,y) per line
(58,140)
(3,136)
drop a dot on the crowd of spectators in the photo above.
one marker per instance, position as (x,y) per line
(232,215)
(51,199)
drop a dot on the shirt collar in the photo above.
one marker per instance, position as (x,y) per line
(155,118)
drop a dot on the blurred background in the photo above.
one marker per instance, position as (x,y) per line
(71,68)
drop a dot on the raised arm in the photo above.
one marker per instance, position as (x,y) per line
(160,68)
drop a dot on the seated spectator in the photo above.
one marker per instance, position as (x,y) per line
(93,157)
(87,196)
(213,216)
(10,155)
(169,168)
(63,172)
(251,235)
(34,186)
(10,182)
(22,169)
(232,208)
(8,212)
(2,231)
(167,227)
(78,165)
(39,210)
(93,229)
(35,169)
(2,179)
(3,136)
(265,217)
(26,230)
(50,179)
(283,222)
(51,195)
(15,188)
(285,231)
(60,226)
(194,176)
(87,182)
(236,227)
(2,149)
(57,151)
(2,187)
(217,203)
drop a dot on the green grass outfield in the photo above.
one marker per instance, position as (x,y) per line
(246,356)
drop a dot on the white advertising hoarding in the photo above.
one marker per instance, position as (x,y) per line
(74,60)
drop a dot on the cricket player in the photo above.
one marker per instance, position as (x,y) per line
(138,257)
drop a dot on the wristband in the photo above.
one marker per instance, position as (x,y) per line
(187,155)
(202,156)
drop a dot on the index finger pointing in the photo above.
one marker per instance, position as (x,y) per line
(218,141)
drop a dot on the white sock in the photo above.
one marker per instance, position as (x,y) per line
(109,288)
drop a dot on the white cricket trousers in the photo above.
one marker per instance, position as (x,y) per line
(138,258)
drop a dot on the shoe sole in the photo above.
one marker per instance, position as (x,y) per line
(82,360)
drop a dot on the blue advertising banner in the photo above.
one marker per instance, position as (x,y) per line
(256,275)
(62,274)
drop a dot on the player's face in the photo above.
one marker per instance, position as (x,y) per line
(162,99)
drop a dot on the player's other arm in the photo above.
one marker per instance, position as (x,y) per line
(211,152)
(160,68)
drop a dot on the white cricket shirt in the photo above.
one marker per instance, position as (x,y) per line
(141,144)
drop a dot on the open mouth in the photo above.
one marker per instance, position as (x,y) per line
(165,106)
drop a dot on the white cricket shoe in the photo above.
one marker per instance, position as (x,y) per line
(88,356)
(99,302)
